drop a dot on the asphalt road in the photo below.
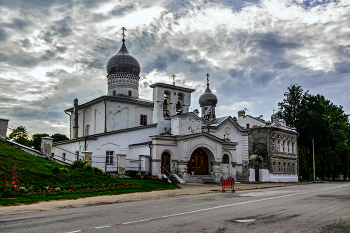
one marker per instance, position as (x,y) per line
(303,208)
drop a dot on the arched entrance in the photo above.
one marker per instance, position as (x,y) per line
(166,161)
(198,163)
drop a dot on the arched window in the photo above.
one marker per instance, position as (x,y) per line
(293,171)
(278,146)
(225,159)
(284,167)
(129,93)
(288,168)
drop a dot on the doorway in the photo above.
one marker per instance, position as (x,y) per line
(166,161)
(198,163)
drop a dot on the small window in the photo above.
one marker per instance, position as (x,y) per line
(293,168)
(109,157)
(247,126)
(274,167)
(77,155)
(87,128)
(293,147)
(279,166)
(114,93)
(143,119)
(64,156)
(225,159)
(129,93)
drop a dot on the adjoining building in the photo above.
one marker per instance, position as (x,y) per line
(273,154)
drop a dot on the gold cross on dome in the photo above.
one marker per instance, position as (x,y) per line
(124,29)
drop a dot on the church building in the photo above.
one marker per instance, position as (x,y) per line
(120,131)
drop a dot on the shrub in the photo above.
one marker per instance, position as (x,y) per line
(48,165)
(64,170)
(98,170)
(77,164)
(88,168)
(56,169)
(131,173)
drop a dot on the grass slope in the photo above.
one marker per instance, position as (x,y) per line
(39,177)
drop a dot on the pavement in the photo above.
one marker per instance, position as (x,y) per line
(186,189)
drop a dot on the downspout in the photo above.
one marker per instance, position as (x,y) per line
(104,100)
(150,157)
(70,124)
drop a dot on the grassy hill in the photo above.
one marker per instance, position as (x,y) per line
(41,179)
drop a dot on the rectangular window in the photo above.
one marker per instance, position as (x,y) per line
(143,119)
(293,147)
(64,156)
(278,149)
(76,155)
(288,147)
(109,157)
(273,145)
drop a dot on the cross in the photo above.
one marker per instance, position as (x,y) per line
(124,29)
(174,79)
(207,79)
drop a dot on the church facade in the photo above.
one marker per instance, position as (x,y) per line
(120,131)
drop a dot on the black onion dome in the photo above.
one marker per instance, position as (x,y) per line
(208,98)
(123,62)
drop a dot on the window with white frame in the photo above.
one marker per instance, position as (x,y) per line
(109,157)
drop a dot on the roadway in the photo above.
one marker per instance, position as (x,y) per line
(303,208)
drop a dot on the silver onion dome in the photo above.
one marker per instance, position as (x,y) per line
(123,62)
(208,98)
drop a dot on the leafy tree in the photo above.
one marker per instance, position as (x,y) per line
(20,135)
(37,140)
(59,137)
(317,118)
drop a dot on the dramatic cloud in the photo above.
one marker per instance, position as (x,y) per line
(54,51)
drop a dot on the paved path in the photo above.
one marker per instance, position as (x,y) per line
(187,189)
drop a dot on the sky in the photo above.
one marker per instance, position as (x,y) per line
(52,52)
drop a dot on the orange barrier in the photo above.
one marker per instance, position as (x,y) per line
(228,184)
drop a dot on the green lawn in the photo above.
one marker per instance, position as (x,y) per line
(43,180)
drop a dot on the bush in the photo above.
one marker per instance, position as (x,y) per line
(77,164)
(98,170)
(64,170)
(56,169)
(48,165)
(88,168)
(131,173)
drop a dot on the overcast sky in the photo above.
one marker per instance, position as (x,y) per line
(54,51)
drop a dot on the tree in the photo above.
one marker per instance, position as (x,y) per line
(37,140)
(20,135)
(317,118)
(59,137)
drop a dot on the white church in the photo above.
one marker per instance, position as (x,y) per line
(119,131)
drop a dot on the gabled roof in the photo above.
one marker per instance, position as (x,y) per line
(219,121)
